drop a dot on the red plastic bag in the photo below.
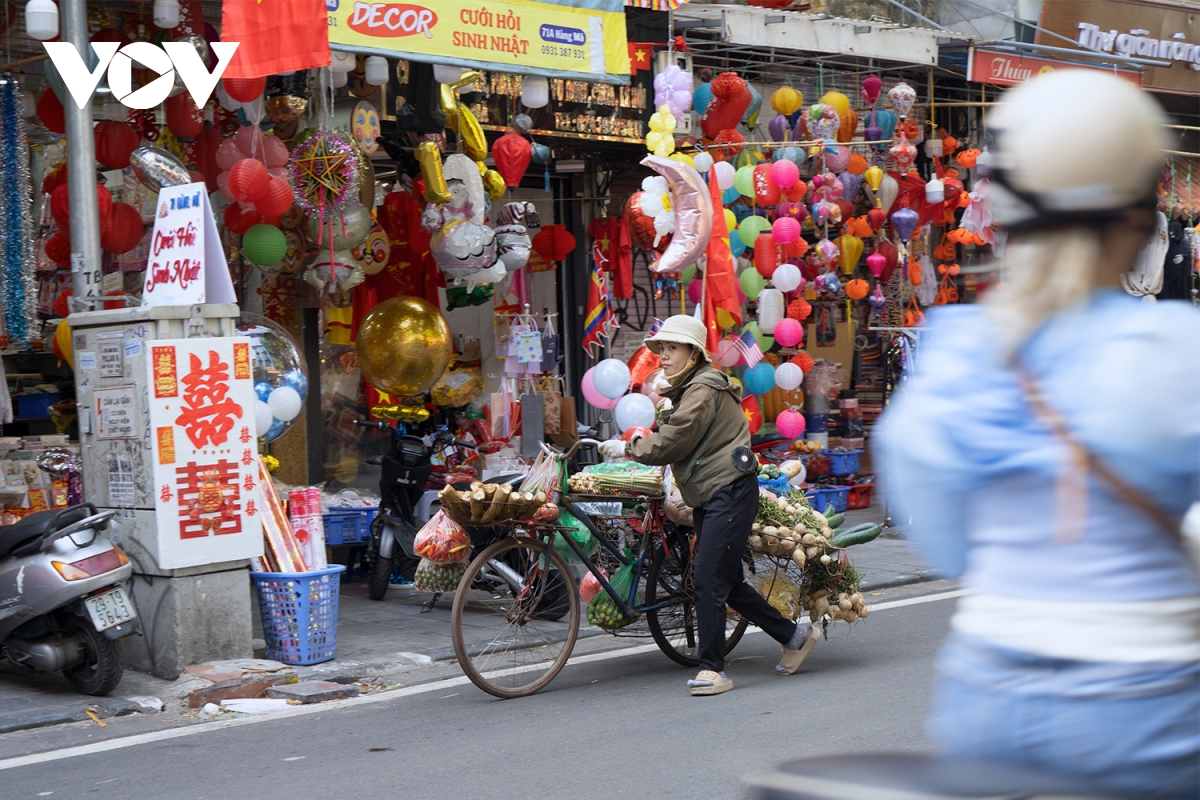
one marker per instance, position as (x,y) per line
(442,540)
(589,587)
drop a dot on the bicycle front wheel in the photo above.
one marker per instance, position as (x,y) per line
(669,581)
(516,617)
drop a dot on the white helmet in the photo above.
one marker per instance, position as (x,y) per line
(1075,145)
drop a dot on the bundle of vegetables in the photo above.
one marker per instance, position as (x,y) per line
(603,611)
(442,539)
(438,576)
(833,590)
(488,503)
(643,480)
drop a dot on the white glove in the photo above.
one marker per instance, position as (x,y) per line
(613,448)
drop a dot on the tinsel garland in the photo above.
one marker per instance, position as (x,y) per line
(18,283)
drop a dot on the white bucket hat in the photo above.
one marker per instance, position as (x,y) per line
(681,329)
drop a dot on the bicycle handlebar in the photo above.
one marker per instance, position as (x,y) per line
(579,444)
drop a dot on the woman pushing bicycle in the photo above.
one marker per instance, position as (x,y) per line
(704,437)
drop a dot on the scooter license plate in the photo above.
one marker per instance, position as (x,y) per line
(110,609)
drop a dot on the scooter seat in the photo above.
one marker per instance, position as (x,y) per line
(26,534)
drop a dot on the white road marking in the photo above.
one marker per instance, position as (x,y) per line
(394,694)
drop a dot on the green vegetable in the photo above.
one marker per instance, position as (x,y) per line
(859,534)
(603,610)
(438,576)
(829,511)
(836,520)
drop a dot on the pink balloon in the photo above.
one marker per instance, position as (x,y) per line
(223,185)
(228,154)
(278,172)
(695,291)
(727,354)
(276,152)
(592,394)
(251,141)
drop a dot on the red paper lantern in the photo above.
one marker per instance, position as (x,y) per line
(204,153)
(249,180)
(123,229)
(54,178)
(58,248)
(183,118)
(115,142)
(50,112)
(794,251)
(554,242)
(512,154)
(238,220)
(845,206)
(766,254)
(62,304)
(766,192)
(60,207)
(244,90)
(277,199)
(875,218)
(728,143)
(731,98)
(104,201)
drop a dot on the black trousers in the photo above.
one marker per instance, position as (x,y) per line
(722,528)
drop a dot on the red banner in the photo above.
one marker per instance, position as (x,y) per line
(1005,68)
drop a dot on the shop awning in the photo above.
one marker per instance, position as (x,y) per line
(577,39)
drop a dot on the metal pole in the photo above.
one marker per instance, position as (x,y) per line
(81,166)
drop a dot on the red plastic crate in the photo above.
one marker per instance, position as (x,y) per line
(817,466)
(859,496)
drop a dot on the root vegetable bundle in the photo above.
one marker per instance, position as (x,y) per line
(488,503)
(647,482)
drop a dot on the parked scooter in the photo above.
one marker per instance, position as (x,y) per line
(62,605)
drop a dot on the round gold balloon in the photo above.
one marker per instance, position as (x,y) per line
(404,346)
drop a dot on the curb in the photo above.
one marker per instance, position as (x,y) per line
(104,709)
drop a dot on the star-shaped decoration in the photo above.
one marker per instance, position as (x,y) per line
(323,166)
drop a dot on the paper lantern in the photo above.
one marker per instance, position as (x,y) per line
(935,191)
(804,361)
(785,230)
(789,423)
(58,248)
(784,173)
(760,378)
(799,309)
(264,245)
(766,252)
(838,160)
(788,332)
(750,228)
(183,118)
(50,112)
(731,98)
(888,189)
(857,165)
(751,282)
(770,310)
(512,154)
(239,219)
(115,142)
(904,220)
(873,176)
(765,341)
(249,180)
(839,101)
(786,100)
(726,175)
(850,248)
(122,230)
(204,151)
(695,292)
(727,353)
(278,198)
(244,90)
(787,278)
(766,193)
(743,181)
(554,242)
(876,263)
(857,289)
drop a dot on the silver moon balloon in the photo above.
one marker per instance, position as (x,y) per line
(693,214)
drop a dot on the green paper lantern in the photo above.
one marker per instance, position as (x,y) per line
(751,227)
(264,245)
(747,158)
(686,276)
(751,282)
(743,181)
(765,342)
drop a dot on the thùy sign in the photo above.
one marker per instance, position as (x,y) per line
(1006,68)
(186,264)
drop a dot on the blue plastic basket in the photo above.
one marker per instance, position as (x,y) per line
(299,614)
(35,405)
(822,496)
(348,525)
(845,463)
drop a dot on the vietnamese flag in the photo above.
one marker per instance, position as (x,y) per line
(720,286)
(275,36)
(753,413)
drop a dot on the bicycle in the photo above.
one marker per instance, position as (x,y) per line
(531,576)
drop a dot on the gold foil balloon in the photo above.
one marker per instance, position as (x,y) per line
(431,172)
(459,117)
(404,346)
(286,108)
(494,184)
(401,413)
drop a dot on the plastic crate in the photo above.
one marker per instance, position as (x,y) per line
(845,463)
(822,496)
(348,525)
(816,466)
(859,496)
(778,485)
(299,614)
(35,405)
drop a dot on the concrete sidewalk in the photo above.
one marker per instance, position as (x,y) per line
(378,643)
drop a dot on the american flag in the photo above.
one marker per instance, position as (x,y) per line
(748,347)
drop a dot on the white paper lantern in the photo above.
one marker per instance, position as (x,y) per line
(786,278)
(725,175)
(788,376)
(770,310)
(535,91)
(377,70)
(342,62)
(41,19)
(935,191)
(444,73)
(703,161)
(166,13)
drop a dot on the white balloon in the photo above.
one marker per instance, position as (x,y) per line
(725,173)
(786,277)
(634,410)
(703,162)
(262,417)
(284,403)
(788,376)
(611,378)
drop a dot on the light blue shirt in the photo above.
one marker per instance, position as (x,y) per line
(964,455)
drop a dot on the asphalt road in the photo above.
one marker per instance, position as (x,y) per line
(615,723)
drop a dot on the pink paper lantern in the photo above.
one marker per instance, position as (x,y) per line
(784,174)
(785,229)
(876,262)
(790,424)
(788,332)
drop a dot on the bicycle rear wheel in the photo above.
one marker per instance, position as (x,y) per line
(521,629)
(674,627)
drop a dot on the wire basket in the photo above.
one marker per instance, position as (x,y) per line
(299,614)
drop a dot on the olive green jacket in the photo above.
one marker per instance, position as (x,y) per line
(698,437)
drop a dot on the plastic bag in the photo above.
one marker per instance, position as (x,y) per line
(438,576)
(779,590)
(589,587)
(602,611)
(579,534)
(442,540)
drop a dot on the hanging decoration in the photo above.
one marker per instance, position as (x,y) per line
(902,97)
(18,284)
(324,172)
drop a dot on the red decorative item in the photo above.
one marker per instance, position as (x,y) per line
(60,206)
(58,250)
(641,226)
(204,153)
(766,254)
(846,207)
(804,361)
(731,98)
(277,199)
(115,142)
(238,220)
(512,154)
(55,178)
(183,118)
(799,310)
(728,143)
(875,218)
(766,192)
(857,289)
(794,251)
(122,230)
(892,256)
(248,180)
(244,90)
(554,242)
(50,112)
(62,304)
(104,201)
